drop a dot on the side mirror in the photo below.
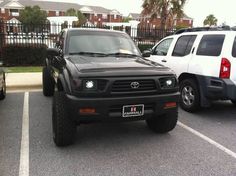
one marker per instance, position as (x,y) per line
(146,53)
(51,52)
(1,63)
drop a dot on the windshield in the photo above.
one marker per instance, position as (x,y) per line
(101,43)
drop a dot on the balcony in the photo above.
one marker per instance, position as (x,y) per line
(14,14)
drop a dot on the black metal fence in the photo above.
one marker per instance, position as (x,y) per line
(46,33)
(30,35)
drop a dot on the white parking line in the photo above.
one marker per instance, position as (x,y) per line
(209,140)
(24,152)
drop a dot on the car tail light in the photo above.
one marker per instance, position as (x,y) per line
(225,68)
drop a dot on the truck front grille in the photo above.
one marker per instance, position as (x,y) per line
(120,86)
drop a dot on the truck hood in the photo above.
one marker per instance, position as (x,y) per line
(117,66)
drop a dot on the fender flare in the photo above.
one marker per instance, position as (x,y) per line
(63,83)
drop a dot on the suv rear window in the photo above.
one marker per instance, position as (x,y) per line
(184,45)
(234,48)
(211,45)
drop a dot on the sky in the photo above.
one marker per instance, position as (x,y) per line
(223,10)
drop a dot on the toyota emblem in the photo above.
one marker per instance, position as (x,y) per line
(134,85)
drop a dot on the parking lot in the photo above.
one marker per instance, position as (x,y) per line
(202,143)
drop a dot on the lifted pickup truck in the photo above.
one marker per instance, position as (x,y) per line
(99,75)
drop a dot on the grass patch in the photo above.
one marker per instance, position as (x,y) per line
(23,69)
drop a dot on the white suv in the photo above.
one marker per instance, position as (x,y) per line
(205,63)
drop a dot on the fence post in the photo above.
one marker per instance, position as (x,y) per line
(2,38)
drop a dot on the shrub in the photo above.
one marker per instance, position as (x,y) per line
(24,54)
(143,47)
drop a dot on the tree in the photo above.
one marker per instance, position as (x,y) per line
(71,12)
(33,15)
(210,20)
(126,19)
(78,14)
(165,9)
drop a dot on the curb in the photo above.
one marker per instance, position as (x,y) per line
(23,87)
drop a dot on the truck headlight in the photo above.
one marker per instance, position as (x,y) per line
(90,85)
(167,83)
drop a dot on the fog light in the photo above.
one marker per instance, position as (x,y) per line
(89,84)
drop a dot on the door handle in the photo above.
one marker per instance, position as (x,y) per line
(163,60)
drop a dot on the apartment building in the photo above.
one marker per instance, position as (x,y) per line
(145,21)
(10,10)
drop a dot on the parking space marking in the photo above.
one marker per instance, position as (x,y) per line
(24,151)
(209,140)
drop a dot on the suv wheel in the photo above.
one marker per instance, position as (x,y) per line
(190,96)
(48,82)
(3,91)
(64,128)
(163,123)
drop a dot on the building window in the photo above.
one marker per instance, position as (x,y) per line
(14,12)
(57,13)
(104,16)
(2,10)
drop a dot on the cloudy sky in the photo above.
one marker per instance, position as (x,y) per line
(224,10)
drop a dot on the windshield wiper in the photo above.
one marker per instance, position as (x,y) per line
(88,53)
(123,54)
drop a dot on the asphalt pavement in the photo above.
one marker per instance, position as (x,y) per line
(204,146)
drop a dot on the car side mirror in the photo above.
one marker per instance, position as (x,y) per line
(52,52)
(146,53)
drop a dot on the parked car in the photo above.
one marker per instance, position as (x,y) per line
(204,62)
(2,83)
(100,75)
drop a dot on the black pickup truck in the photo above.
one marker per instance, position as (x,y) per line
(2,82)
(99,75)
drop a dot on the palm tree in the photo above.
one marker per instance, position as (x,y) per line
(165,9)
(210,20)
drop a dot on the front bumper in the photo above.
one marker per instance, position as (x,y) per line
(110,109)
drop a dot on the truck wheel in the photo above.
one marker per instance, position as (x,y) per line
(3,91)
(48,82)
(64,128)
(189,95)
(163,123)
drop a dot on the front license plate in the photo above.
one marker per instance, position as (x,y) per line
(133,110)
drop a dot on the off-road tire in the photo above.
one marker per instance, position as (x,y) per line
(3,91)
(163,123)
(194,105)
(48,82)
(64,129)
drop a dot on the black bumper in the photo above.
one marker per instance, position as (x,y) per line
(217,89)
(110,109)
